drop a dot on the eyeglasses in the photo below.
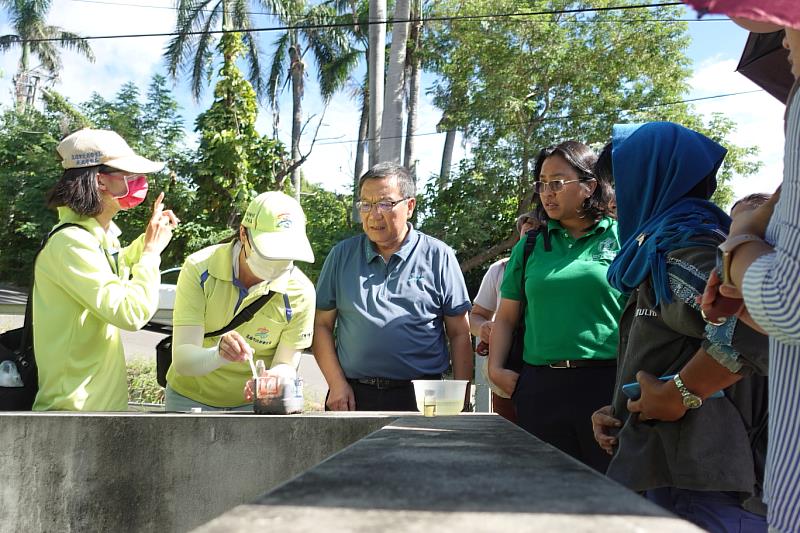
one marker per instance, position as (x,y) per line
(555,186)
(127,177)
(384,206)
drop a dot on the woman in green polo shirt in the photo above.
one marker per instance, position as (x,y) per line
(571,318)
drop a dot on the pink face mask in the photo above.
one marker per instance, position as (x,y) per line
(137,190)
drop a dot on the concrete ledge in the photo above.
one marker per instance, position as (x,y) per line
(154,472)
(460,473)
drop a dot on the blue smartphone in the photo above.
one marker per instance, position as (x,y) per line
(632,390)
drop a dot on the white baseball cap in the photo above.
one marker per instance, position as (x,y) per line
(277,226)
(89,148)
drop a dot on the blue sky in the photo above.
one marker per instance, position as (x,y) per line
(715,50)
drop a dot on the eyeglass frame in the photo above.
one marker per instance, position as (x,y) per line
(390,203)
(126,176)
(560,187)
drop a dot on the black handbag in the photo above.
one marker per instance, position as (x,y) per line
(164,347)
(514,359)
(16,345)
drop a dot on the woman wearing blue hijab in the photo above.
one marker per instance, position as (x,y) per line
(698,456)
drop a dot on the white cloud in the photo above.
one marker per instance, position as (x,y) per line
(117,60)
(759,119)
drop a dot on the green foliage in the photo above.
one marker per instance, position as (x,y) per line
(740,160)
(153,127)
(472,213)
(328,223)
(28,168)
(516,85)
(142,384)
(234,162)
(193,53)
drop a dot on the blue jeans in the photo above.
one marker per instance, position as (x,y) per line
(178,402)
(714,511)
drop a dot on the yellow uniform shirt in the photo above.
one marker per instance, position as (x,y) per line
(87,289)
(208,295)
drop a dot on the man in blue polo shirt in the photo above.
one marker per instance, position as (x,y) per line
(396,297)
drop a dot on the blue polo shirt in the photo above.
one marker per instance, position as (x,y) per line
(389,320)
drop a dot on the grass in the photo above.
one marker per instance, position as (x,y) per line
(142,385)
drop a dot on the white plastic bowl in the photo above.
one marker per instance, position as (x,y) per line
(449,395)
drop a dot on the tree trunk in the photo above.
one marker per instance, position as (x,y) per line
(359,168)
(491,253)
(524,200)
(392,125)
(413,91)
(447,158)
(377,51)
(297,71)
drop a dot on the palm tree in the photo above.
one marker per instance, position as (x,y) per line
(413,75)
(392,122)
(193,49)
(27,19)
(377,58)
(332,53)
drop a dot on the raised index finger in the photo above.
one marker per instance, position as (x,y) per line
(158,205)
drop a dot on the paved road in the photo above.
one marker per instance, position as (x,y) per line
(138,344)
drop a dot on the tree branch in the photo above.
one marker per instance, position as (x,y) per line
(288,170)
(494,251)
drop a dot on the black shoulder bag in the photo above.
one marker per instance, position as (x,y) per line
(164,348)
(16,346)
(514,359)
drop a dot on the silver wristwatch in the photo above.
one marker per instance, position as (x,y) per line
(690,400)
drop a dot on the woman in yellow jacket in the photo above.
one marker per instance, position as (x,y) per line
(86,286)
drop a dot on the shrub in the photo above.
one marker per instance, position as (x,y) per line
(142,385)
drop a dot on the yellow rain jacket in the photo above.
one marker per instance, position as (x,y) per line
(86,289)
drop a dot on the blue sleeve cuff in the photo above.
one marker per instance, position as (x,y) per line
(459,309)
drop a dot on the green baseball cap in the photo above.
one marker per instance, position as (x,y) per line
(277,228)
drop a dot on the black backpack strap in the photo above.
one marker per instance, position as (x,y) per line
(245,315)
(530,244)
(27,333)
(548,247)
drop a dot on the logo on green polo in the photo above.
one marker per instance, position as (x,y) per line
(606,250)
(261,336)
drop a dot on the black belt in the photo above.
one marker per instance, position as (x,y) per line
(581,363)
(386,383)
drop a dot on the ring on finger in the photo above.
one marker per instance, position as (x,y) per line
(709,321)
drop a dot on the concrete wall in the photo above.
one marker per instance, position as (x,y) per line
(459,474)
(153,472)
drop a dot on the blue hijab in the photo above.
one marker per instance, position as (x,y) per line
(655,166)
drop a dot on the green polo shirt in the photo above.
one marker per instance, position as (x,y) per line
(572,313)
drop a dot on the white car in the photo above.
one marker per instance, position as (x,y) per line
(166,298)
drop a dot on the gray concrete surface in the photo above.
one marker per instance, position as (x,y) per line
(461,474)
(153,472)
